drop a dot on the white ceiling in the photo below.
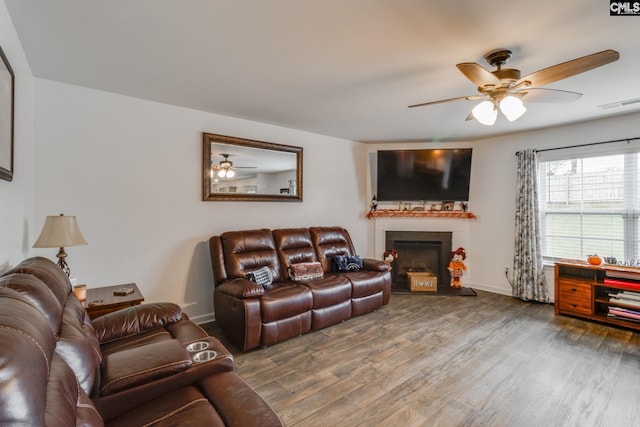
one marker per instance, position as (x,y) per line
(344,68)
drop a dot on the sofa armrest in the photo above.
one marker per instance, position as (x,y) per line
(371,264)
(241,288)
(136,319)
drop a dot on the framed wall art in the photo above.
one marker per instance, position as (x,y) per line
(6,118)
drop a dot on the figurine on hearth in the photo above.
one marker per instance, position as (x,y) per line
(389,257)
(457,267)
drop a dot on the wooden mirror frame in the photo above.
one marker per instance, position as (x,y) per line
(207,195)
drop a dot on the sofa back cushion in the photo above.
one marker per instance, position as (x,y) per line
(79,346)
(47,271)
(38,294)
(67,404)
(249,250)
(330,241)
(27,345)
(294,246)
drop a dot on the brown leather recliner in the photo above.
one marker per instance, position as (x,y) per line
(252,315)
(130,367)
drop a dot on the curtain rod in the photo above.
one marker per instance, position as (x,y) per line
(585,145)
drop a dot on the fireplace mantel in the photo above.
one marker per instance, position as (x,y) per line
(396,213)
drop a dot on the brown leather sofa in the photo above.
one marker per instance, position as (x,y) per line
(131,367)
(253,316)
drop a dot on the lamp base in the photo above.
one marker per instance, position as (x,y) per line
(62,263)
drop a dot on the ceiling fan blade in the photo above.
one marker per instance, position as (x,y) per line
(548,95)
(442,101)
(244,167)
(478,75)
(569,68)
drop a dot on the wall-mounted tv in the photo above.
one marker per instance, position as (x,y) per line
(428,174)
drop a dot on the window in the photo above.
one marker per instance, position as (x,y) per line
(589,202)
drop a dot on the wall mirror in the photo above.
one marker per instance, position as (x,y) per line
(237,169)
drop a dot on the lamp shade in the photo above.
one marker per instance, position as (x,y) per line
(485,113)
(512,107)
(60,231)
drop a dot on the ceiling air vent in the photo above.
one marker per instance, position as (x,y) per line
(619,104)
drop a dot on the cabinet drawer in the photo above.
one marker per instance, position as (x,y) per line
(575,296)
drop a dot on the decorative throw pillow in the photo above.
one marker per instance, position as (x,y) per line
(306,271)
(346,263)
(261,276)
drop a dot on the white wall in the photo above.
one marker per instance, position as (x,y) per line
(16,197)
(489,240)
(130,170)
(494,190)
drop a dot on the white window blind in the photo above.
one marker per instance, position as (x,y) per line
(589,202)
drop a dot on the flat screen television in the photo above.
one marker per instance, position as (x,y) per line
(427,174)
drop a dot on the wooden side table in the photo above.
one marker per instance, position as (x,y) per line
(102,300)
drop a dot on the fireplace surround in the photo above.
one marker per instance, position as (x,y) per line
(420,251)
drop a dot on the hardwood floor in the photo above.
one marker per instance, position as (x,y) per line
(489,360)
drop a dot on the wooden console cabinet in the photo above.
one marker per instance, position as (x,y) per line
(580,291)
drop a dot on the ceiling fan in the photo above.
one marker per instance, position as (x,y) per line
(505,89)
(226,169)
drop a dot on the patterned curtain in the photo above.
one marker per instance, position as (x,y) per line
(529,283)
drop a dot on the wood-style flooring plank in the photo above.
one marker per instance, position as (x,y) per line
(489,360)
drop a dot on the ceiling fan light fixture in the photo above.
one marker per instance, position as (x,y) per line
(485,113)
(222,173)
(512,107)
(230,173)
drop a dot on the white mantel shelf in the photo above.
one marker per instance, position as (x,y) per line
(395,213)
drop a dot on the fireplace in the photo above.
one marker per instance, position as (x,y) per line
(420,251)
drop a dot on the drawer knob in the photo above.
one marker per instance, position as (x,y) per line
(574,289)
(574,305)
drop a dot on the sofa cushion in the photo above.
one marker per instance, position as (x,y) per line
(332,289)
(285,300)
(185,406)
(346,263)
(249,250)
(261,276)
(27,345)
(330,241)
(305,271)
(78,344)
(38,294)
(294,245)
(49,273)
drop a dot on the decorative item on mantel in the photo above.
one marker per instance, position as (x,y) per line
(457,267)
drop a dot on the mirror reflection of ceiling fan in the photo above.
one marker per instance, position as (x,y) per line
(226,169)
(503,88)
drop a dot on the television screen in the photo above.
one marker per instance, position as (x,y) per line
(429,175)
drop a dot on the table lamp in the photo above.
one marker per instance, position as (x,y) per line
(58,232)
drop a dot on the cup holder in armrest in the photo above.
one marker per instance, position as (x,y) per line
(204,355)
(198,346)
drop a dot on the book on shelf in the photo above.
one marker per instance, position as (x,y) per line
(608,281)
(630,302)
(625,294)
(624,312)
(626,319)
(617,274)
